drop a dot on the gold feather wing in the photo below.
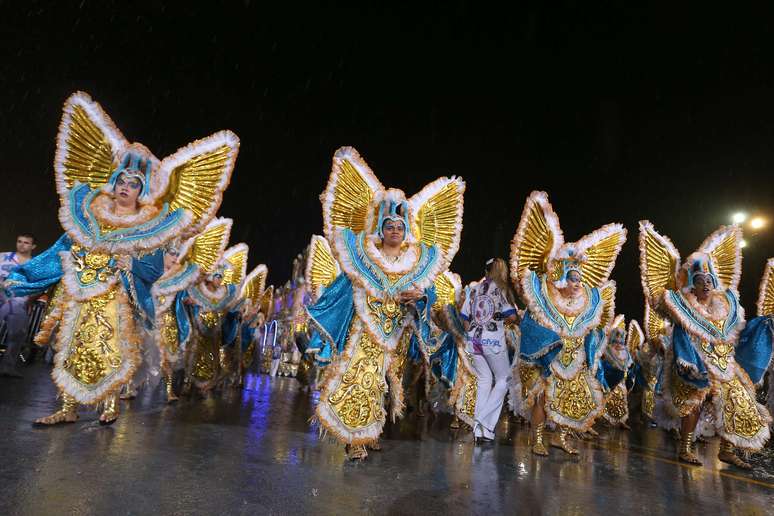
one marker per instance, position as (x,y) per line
(254,284)
(236,259)
(766,294)
(197,175)
(437,211)
(267,301)
(655,325)
(347,197)
(634,337)
(601,249)
(607,292)
(447,288)
(88,144)
(659,262)
(537,238)
(724,247)
(321,267)
(206,249)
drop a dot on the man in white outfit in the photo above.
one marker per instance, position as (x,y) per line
(485,311)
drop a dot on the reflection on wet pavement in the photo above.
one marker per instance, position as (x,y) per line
(253,451)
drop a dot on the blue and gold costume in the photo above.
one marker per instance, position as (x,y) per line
(562,337)
(716,357)
(618,371)
(361,327)
(108,259)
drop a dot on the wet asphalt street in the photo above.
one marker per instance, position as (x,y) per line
(253,452)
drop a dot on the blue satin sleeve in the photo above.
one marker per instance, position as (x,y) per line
(444,360)
(609,375)
(145,272)
(591,344)
(248,334)
(181,315)
(230,328)
(39,273)
(753,352)
(331,317)
(690,367)
(424,307)
(539,345)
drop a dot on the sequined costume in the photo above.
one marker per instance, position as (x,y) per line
(716,357)
(108,258)
(212,304)
(361,327)
(561,336)
(184,267)
(618,371)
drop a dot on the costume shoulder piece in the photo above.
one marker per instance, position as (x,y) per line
(355,205)
(180,194)
(254,286)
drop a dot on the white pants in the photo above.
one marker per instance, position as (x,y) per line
(275,363)
(493,372)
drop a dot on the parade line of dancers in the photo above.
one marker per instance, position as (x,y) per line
(143,285)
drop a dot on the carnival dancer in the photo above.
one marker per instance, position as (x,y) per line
(488,306)
(184,265)
(211,303)
(390,249)
(255,303)
(119,206)
(568,297)
(618,371)
(715,357)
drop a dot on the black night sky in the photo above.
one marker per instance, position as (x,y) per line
(619,113)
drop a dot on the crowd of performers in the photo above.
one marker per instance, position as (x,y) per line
(144,286)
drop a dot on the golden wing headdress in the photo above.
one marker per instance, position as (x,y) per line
(599,251)
(321,267)
(659,263)
(724,247)
(766,293)
(437,215)
(346,201)
(607,292)
(537,238)
(254,284)
(634,337)
(448,287)
(235,261)
(206,248)
(267,301)
(89,147)
(88,144)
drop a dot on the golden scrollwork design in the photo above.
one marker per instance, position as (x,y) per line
(529,375)
(169,334)
(740,413)
(718,353)
(569,351)
(682,393)
(358,399)
(573,398)
(388,312)
(616,404)
(649,397)
(92,266)
(469,401)
(94,352)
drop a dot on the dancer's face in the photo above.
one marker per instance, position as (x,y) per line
(170,259)
(127,190)
(702,287)
(393,232)
(574,285)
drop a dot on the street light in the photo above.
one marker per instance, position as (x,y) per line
(739,217)
(743,244)
(757,223)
